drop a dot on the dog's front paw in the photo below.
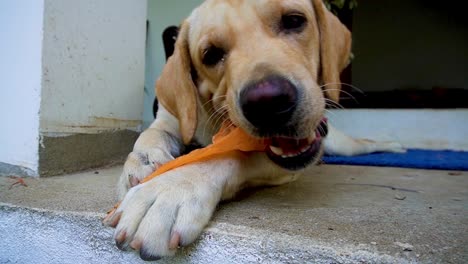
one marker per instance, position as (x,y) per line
(139,164)
(169,211)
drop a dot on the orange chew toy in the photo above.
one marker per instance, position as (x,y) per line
(227,140)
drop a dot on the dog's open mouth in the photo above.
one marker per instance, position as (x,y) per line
(295,154)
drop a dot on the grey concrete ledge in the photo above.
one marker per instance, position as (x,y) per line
(77,152)
(42,236)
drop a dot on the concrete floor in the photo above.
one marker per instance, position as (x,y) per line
(333,214)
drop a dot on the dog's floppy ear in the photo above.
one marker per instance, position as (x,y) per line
(335,49)
(175,88)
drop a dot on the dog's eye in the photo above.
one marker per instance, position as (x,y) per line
(293,23)
(213,55)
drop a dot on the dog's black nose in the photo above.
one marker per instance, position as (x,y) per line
(269,104)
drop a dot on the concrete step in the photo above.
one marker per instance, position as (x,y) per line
(333,214)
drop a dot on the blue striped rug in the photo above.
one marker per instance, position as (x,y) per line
(413,158)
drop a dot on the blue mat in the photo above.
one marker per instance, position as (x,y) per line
(413,158)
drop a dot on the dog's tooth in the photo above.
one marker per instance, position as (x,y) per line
(276,150)
(311,139)
(290,155)
(304,149)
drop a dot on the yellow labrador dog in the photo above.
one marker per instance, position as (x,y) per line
(267,66)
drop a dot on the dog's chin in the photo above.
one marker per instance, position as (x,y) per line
(296,154)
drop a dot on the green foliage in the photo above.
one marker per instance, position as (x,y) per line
(335,5)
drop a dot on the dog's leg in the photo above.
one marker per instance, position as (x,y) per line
(338,143)
(171,210)
(157,145)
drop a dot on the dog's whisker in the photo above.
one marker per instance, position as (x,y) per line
(345,84)
(332,114)
(330,106)
(220,120)
(328,102)
(207,102)
(333,104)
(214,117)
(350,95)
(217,112)
(213,99)
(222,111)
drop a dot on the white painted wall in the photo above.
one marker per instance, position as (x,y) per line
(423,129)
(161,14)
(20,81)
(93,66)
(68,67)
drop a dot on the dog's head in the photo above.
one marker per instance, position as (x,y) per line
(269,66)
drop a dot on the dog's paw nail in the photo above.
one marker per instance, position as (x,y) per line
(146,256)
(121,245)
(112,219)
(106,220)
(115,220)
(175,239)
(120,240)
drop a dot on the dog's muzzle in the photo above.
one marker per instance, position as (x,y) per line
(269,105)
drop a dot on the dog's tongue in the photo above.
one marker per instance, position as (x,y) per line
(289,144)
